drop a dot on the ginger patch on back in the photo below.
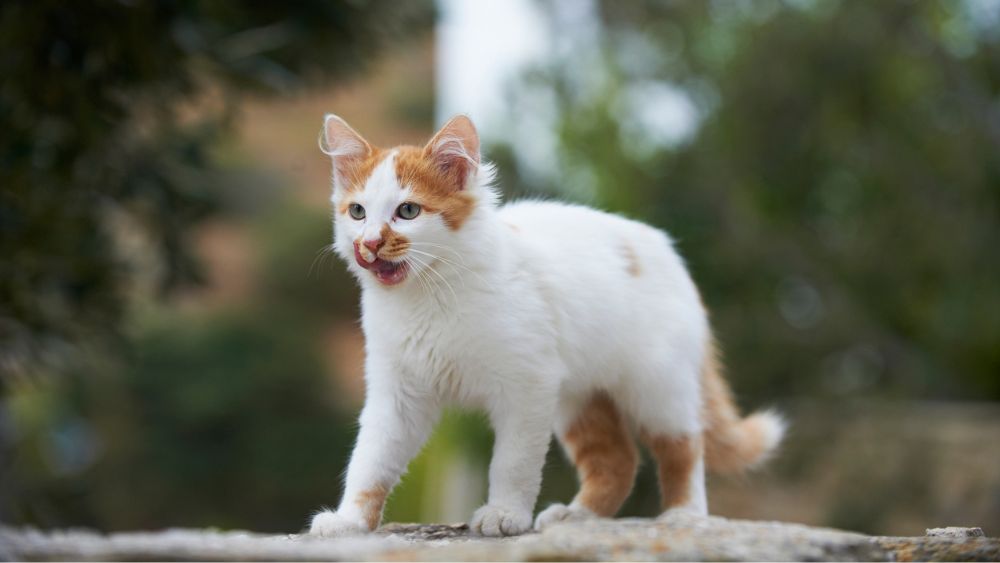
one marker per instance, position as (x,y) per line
(632,265)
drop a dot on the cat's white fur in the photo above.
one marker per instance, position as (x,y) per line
(523,312)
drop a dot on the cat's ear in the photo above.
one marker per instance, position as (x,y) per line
(455,150)
(344,145)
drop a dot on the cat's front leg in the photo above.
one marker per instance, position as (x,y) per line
(394,426)
(523,432)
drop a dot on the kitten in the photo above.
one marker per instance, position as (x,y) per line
(550,317)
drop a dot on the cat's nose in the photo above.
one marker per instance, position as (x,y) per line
(374,245)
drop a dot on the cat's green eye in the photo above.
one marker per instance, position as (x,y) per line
(408,210)
(357,212)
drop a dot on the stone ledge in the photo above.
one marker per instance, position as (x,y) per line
(678,537)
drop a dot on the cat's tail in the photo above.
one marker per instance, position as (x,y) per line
(733,443)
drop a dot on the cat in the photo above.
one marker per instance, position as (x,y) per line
(549,317)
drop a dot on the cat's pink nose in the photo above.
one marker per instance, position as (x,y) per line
(374,245)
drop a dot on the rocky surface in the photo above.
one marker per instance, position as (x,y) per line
(678,537)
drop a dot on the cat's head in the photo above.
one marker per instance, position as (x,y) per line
(397,211)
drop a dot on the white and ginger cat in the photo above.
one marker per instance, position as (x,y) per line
(549,317)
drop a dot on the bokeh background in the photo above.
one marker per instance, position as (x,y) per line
(175,350)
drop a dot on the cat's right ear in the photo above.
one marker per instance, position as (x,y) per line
(344,145)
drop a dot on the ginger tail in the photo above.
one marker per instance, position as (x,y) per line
(732,443)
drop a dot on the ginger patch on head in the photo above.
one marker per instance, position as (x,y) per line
(436,190)
(371,502)
(354,172)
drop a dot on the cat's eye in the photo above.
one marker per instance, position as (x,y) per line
(357,212)
(408,210)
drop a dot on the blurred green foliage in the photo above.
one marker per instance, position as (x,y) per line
(461,438)
(839,198)
(108,111)
(215,422)
(221,417)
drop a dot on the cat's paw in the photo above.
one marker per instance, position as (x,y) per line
(330,524)
(495,521)
(684,514)
(559,512)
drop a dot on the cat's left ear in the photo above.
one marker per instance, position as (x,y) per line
(344,145)
(455,150)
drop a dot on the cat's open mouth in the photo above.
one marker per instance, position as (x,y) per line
(385,271)
(389,273)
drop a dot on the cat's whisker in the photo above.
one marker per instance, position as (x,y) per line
(312,266)
(321,257)
(428,266)
(433,286)
(431,283)
(445,261)
(419,275)
(456,253)
(456,266)
(450,288)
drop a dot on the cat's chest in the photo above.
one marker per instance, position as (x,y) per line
(425,341)
(459,347)
(424,338)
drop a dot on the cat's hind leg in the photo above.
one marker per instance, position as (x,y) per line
(597,440)
(667,406)
(680,470)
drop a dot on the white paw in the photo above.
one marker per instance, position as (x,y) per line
(495,521)
(559,512)
(684,513)
(330,524)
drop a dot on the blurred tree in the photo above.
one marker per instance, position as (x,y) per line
(836,191)
(224,421)
(107,112)
(214,416)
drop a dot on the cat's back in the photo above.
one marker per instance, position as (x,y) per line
(554,218)
(613,284)
(601,262)
(586,238)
